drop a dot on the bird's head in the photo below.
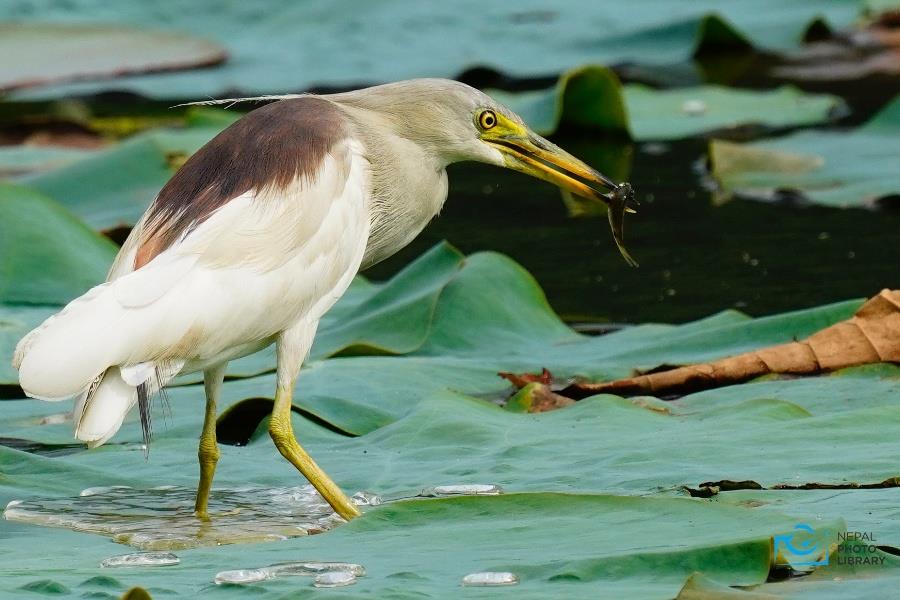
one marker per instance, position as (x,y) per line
(454,122)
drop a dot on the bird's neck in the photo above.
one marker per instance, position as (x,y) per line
(408,184)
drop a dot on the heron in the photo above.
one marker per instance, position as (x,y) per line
(259,233)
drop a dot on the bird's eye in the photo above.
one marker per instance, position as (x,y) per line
(487,119)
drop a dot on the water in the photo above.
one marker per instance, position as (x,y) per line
(141,559)
(313,568)
(438,491)
(462,490)
(490,578)
(163,518)
(240,576)
(696,258)
(334,579)
(366,499)
(325,574)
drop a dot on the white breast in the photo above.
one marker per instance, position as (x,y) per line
(408,189)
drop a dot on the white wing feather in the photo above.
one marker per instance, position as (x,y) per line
(259,264)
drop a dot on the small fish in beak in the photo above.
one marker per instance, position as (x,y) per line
(529,153)
(621,201)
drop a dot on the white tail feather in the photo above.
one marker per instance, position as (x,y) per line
(66,353)
(101,409)
(116,323)
(99,413)
(29,339)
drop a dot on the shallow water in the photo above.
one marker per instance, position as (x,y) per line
(162,518)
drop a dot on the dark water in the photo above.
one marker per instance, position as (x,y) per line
(696,258)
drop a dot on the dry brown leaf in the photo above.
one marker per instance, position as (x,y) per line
(520,380)
(871,51)
(872,335)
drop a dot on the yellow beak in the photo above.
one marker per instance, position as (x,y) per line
(531,154)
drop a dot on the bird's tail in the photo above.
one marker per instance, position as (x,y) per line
(100,410)
(88,350)
(69,352)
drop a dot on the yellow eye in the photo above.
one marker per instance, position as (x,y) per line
(487,119)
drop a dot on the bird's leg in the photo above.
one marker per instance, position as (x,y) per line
(293,346)
(208,451)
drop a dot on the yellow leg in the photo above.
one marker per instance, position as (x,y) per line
(208,451)
(282,433)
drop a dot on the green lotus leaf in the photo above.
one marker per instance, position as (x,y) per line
(592,97)
(834,168)
(414,39)
(47,256)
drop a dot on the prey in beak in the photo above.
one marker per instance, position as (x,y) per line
(525,151)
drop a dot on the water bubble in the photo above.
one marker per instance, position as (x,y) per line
(693,107)
(488,578)
(472,489)
(101,490)
(315,568)
(655,148)
(334,579)
(366,499)
(141,559)
(240,576)
(327,574)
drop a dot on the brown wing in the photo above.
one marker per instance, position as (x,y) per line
(270,147)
